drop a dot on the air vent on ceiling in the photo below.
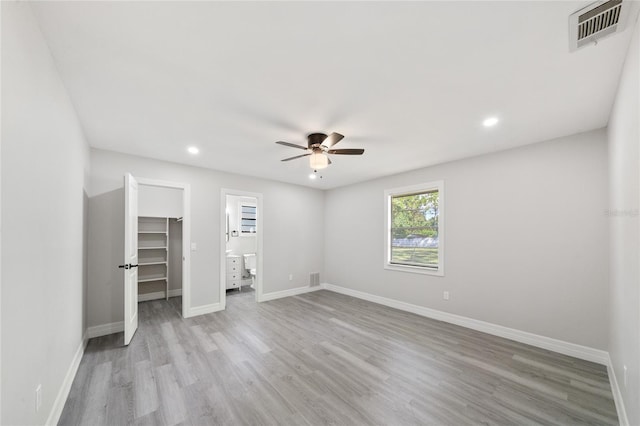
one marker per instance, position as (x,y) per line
(596,21)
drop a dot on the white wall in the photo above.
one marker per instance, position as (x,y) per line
(291,244)
(156,201)
(526,239)
(624,187)
(44,168)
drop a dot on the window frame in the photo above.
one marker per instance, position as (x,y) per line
(242,204)
(409,190)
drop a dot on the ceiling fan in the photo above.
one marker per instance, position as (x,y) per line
(318,146)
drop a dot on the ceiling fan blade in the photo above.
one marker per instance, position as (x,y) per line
(350,151)
(297,156)
(293,145)
(332,139)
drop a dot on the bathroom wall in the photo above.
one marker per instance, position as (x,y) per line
(242,243)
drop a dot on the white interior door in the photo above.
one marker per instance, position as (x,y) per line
(130,257)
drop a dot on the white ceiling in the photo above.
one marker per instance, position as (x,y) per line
(409,82)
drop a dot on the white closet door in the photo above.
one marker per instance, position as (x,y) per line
(130,257)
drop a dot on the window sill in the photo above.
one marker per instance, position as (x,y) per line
(415,269)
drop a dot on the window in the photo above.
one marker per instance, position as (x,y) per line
(248,219)
(414,228)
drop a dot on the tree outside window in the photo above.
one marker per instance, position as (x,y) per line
(414,240)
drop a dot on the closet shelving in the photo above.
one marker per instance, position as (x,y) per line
(153,251)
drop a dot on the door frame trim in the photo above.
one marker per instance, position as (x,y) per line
(186,236)
(223,243)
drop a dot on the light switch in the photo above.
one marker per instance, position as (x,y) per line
(194,247)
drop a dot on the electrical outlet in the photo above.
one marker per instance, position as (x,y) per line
(290,277)
(38,398)
(624,375)
(445,295)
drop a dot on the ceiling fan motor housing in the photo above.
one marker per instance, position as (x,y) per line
(316,139)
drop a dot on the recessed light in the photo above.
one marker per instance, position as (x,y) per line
(312,176)
(193,150)
(490,122)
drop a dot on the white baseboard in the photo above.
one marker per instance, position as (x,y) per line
(65,388)
(204,309)
(117,327)
(105,329)
(560,346)
(290,292)
(623,420)
(159,295)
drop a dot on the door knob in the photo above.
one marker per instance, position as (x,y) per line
(128,266)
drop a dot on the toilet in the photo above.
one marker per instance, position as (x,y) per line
(250,265)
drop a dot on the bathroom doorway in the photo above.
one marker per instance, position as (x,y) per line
(241,245)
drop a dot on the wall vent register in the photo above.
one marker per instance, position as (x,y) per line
(596,21)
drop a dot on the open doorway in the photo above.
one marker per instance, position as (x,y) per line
(149,211)
(241,245)
(163,243)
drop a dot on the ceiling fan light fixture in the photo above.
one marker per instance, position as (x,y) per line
(490,122)
(318,161)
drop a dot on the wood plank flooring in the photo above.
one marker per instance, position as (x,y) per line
(325,358)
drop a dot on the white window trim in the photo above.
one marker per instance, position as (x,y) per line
(423,187)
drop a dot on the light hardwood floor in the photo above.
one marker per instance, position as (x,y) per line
(325,358)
